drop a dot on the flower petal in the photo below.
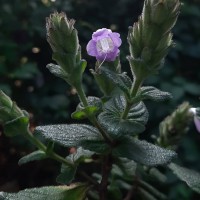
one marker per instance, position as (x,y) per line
(116,39)
(197,123)
(101,32)
(112,55)
(91,48)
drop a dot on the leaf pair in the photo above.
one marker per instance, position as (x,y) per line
(111,119)
(88,137)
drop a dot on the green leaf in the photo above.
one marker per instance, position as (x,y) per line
(127,166)
(67,173)
(36,155)
(111,120)
(87,111)
(192,178)
(69,135)
(143,152)
(154,94)
(97,146)
(76,72)
(57,71)
(122,81)
(76,191)
(80,155)
(17,126)
(95,106)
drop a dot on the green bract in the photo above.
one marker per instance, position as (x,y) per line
(14,120)
(150,38)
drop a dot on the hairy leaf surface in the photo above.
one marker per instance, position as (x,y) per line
(69,135)
(36,155)
(113,123)
(154,94)
(67,173)
(143,152)
(192,178)
(76,191)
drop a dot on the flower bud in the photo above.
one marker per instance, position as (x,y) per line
(63,39)
(11,116)
(8,109)
(150,38)
(61,34)
(175,126)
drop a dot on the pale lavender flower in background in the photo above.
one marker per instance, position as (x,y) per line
(196,113)
(104,45)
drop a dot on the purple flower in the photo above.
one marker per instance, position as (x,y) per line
(104,45)
(197,123)
(196,113)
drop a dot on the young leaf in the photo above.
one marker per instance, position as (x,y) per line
(80,155)
(76,191)
(111,120)
(95,106)
(69,135)
(192,178)
(143,152)
(36,155)
(154,94)
(57,71)
(67,173)
(82,114)
(122,81)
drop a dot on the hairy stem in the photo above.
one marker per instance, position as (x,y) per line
(82,95)
(135,87)
(106,168)
(93,119)
(42,147)
(56,157)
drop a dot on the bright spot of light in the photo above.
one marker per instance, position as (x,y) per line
(24,60)
(35,50)
(53,0)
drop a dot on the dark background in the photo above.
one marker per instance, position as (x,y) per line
(24,54)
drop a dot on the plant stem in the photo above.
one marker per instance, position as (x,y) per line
(42,147)
(81,95)
(106,168)
(134,89)
(92,119)
(55,156)
(130,193)
(106,137)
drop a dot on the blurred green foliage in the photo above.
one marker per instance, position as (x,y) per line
(24,53)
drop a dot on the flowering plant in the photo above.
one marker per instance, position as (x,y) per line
(111,138)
